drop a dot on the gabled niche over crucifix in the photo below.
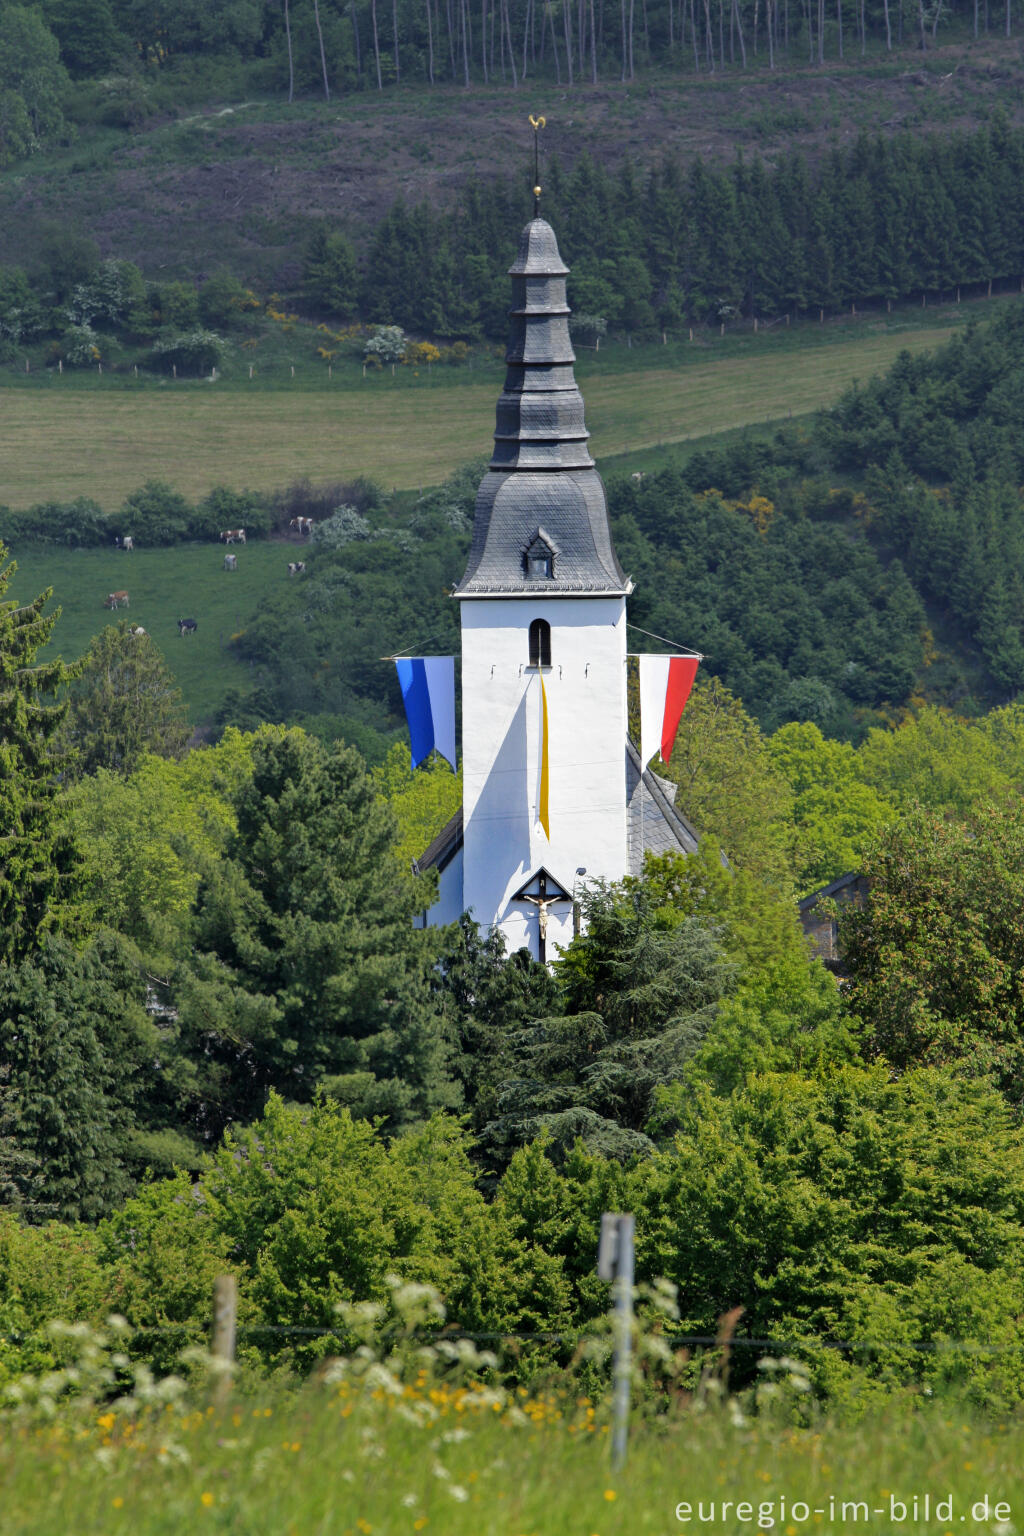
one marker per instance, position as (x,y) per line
(542,890)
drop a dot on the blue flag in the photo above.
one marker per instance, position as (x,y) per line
(428,692)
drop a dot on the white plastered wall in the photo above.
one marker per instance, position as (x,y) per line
(501,735)
(449,906)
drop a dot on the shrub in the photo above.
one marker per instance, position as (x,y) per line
(589,328)
(156,514)
(197,352)
(344,526)
(225,508)
(78,524)
(419,352)
(80,346)
(114,293)
(304,499)
(178,304)
(387,344)
(223,301)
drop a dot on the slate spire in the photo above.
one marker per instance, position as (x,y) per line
(541,490)
(540,410)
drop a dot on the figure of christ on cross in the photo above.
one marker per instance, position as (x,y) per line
(542,901)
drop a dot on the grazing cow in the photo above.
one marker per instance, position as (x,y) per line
(117,600)
(128,542)
(231,562)
(136,630)
(233,536)
(302,525)
(637,475)
(187,626)
(296,567)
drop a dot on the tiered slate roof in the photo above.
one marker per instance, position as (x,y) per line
(541,488)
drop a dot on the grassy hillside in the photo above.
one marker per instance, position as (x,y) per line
(241,183)
(66,440)
(187,581)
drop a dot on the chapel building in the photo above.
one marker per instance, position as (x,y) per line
(554,795)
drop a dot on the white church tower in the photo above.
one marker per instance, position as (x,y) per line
(552,790)
(543,633)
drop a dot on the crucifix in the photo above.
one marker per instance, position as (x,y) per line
(547,893)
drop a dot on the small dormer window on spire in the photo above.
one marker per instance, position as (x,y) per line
(539,557)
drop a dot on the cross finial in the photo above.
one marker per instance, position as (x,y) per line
(536,123)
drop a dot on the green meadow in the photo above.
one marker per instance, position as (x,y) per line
(64,440)
(103,437)
(338,1461)
(164,585)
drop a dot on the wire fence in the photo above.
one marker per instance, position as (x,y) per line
(197,1329)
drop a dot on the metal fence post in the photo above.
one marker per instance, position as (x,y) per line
(615,1262)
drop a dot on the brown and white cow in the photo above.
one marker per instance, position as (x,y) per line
(233,536)
(302,525)
(116,600)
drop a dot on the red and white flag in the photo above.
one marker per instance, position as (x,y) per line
(665,683)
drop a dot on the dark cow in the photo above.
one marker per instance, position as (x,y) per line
(187,626)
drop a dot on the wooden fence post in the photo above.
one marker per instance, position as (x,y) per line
(222,1338)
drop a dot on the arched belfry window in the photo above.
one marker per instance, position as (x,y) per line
(540,643)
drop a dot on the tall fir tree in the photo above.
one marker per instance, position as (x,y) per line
(125,703)
(308,972)
(38,864)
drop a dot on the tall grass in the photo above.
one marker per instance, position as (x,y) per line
(340,1460)
(402,1436)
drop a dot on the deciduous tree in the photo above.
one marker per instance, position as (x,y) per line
(936,957)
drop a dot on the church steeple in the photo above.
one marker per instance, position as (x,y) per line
(540,410)
(541,477)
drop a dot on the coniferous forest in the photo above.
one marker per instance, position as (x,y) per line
(874,224)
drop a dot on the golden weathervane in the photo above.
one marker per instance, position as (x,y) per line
(536,123)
